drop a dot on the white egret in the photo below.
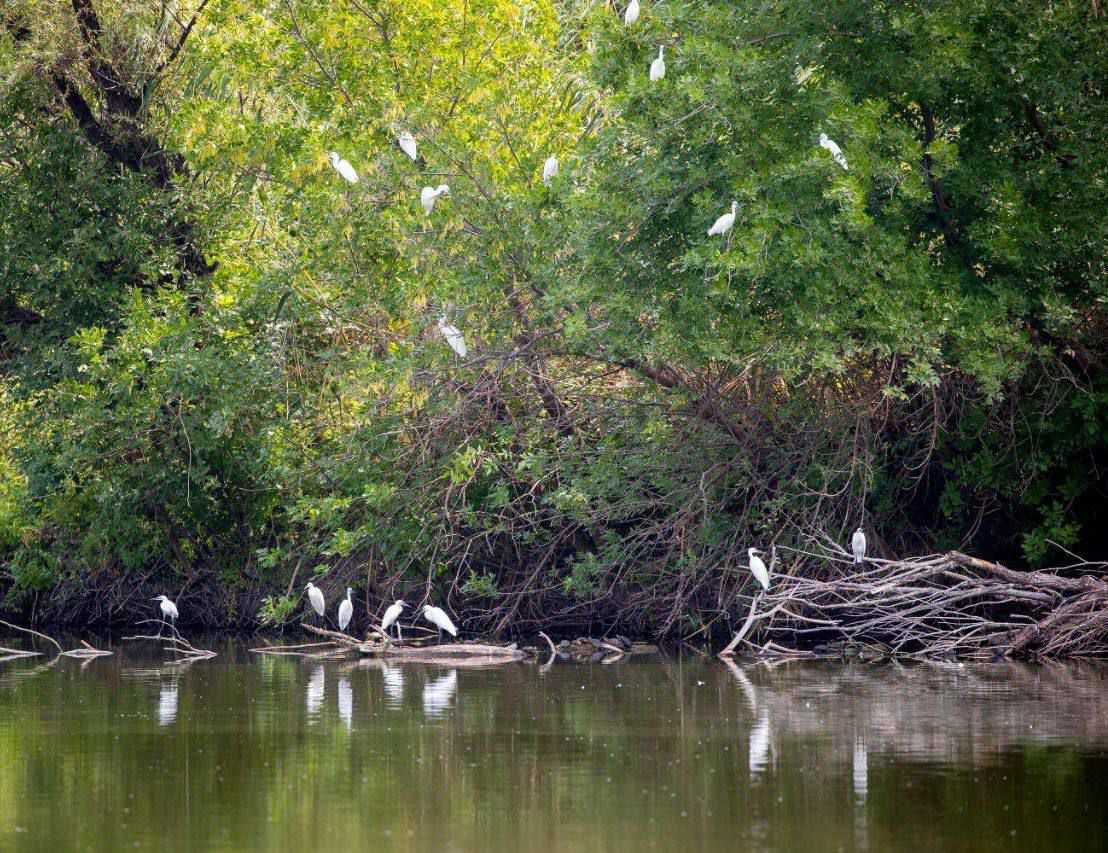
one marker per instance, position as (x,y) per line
(392,616)
(344,168)
(315,597)
(346,610)
(437,694)
(407,144)
(437,617)
(549,170)
(858,546)
(428,195)
(836,151)
(346,702)
(726,222)
(757,567)
(658,66)
(631,15)
(453,337)
(169,611)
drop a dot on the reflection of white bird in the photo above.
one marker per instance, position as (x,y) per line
(167,705)
(836,151)
(315,597)
(632,13)
(346,610)
(549,170)
(392,615)
(346,702)
(658,66)
(453,337)
(858,545)
(725,222)
(437,617)
(407,144)
(428,195)
(344,168)
(759,745)
(757,567)
(861,770)
(313,696)
(168,609)
(437,694)
(393,678)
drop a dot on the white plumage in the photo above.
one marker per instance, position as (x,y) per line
(393,613)
(453,337)
(758,568)
(407,144)
(428,195)
(549,170)
(315,597)
(836,151)
(658,66)
(726,222)
(344,168)
(168,608)
(858,545)
(631,15)
(437,617)
(346,610)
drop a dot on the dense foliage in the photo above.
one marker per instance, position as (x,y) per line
(221,373)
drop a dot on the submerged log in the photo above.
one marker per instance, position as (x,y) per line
(451,652)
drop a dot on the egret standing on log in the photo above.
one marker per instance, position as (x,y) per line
(725,223)
(428,195)
(437,617)
(549,170)
(344,168)
(392,616)
(346,610)
(658,66)
(315,598)
(632,14)
(407,144)
(858,546)
(453,337)
(836,151)
(758,568)
(169,611)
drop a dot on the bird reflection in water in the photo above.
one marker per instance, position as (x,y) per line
(393,678)
(346,702)
(313,696)
(167,704)
(437,694)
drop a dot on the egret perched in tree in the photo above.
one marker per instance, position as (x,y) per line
(344,168)
(437,617)
(346,610)
(407,144)
(428,195)
(632,13)
(757,567)
(658,66)
(858,545)
(549,170)
(315,597)
(392,615)
(725,223)
(836,151)
(453,337)
(169,611)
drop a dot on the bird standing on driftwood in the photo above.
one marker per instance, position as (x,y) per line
(346,610)
(858,546)
(758,568)
(437,617)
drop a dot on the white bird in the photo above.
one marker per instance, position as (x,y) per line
(437,617)
(315,597)
(658,66)
(344,168)
(437,694)
(758,568)
(392,614)
(858,546)
(549,170)
(407,144)
(346,610)
(453,337)
(169,610)
(725,223)
(428,195)
(836,151)
(632,13)
(346,702)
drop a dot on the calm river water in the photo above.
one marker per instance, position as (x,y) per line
(245,752)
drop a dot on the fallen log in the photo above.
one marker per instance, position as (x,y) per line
(444,654)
